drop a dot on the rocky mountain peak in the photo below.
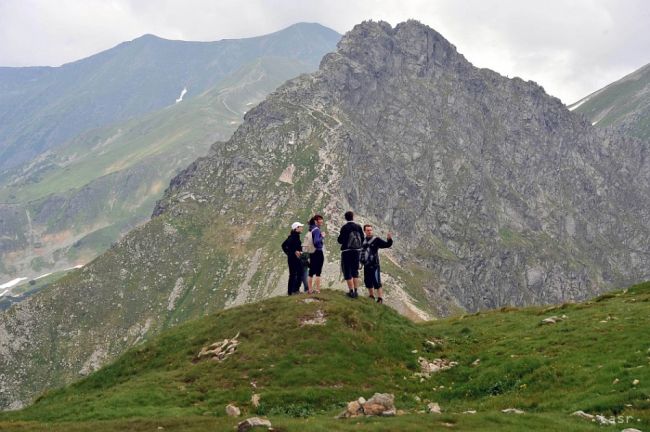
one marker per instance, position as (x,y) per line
(410,48)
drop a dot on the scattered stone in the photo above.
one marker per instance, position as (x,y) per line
(434,408)
(630,430)
(512,411)
(253,422)
(255,400)
(311,300)
(434,343)
(604,420)
(232,410)
(583,415)
(635,382)
(469,412)
(354,409)
(317,319)
(616,381)
(554,319)
(380,404)
(219,351)
(427,367)
(476,362)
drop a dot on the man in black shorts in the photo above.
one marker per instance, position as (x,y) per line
(370,259)
(317,259)
(351,240)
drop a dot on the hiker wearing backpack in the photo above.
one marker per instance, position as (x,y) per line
(351,239)
(370,260)
(317,257)
(292,247)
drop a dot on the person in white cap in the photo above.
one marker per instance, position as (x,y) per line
(292,247)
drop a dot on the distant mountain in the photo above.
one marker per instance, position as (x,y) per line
(497,195)
(624,103)
(68,204)
(43,107)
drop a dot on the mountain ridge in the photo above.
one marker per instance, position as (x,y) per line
(149,68)
(496,194)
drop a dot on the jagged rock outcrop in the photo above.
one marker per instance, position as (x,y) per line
(495,192)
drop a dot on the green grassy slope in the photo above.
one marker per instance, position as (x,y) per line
(625,103)
(42,108)
(304,374)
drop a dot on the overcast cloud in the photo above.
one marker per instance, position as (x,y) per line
(572,48)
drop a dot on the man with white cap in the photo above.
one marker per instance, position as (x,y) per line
(292,247)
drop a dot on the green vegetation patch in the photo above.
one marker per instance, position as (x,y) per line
(595,358)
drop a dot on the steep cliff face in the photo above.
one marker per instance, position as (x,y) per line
(495,192)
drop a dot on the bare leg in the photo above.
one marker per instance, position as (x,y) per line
(371,293)
(310,284)
(317,280)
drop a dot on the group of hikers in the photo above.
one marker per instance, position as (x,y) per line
(359,248)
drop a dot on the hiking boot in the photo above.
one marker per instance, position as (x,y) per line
(355,294)
(350,294)
(372,297)
(380,300)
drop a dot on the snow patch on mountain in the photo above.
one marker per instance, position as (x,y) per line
(180,98)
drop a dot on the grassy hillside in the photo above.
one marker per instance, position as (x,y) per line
(42,108)
(624,103)
(304,374)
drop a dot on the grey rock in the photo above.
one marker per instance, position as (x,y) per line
(583,415)
(512,411)
(232,410)
(253,422)
(434,408)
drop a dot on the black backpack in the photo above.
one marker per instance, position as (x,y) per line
(367,255)
(355,240)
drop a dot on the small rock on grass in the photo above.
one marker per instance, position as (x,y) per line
(232,410)
(512,411)
(255,400)
(583,415)
(434,408)
(253,422)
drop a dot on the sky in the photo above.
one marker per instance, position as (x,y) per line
(570,47)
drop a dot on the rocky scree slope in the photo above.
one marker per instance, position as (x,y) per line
(496,193)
